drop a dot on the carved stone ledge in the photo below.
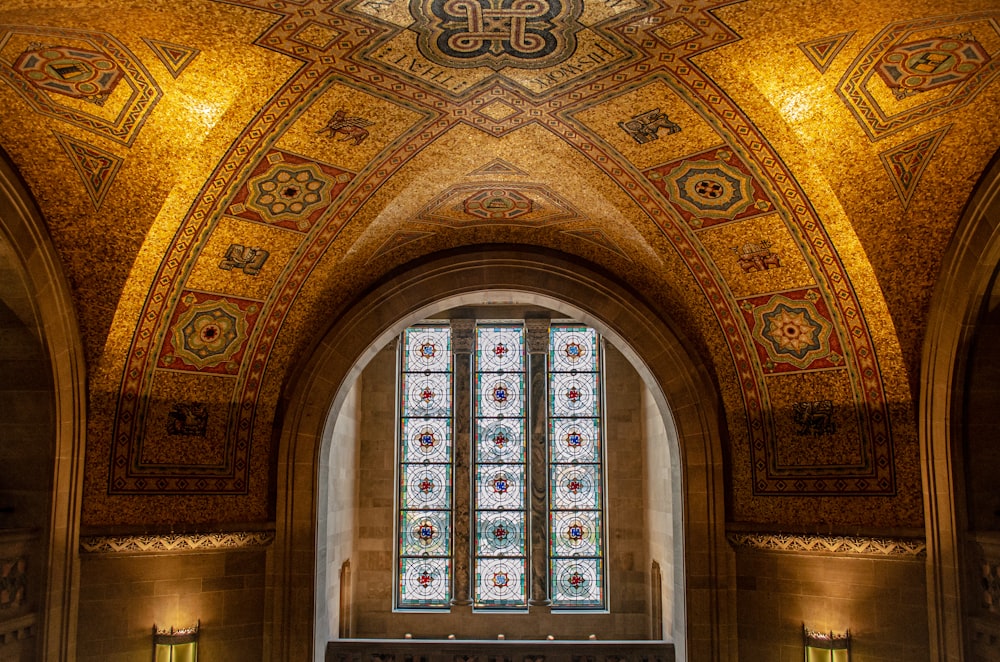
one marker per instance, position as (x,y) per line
(438,650)
(779,542)
(175,542)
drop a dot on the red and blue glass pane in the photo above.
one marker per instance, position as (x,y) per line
(575,493)
(500,564)
(425,469)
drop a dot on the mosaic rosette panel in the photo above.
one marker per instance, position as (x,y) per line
(288,191)
(793,331)
(425,468)
(711,188)
(208,333)
(575,469)
(500,469)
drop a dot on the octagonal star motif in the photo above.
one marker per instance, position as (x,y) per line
(209,333)
(792,331)
(289,192)
(711,188)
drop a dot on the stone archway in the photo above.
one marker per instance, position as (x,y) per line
(26,237)
(682,389)
(966,274)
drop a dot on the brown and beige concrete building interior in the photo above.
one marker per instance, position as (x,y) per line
(780,220)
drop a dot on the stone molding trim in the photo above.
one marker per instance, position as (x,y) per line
(174,542)
(781,542)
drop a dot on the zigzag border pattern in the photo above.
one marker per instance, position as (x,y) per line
(175,542)
(784,542)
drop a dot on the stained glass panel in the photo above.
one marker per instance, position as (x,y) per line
(578,582)
(500,440)
(499,473)
(424,582)
(573,394)
(426,440)
(576,521)
(425,469)
(500,533)
(500,582)
(574,487)
(574,440)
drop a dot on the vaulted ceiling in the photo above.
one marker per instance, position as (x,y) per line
(780,179)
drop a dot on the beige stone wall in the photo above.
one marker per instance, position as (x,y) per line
(882,600)
(123,595)
(659,510)
(627,541)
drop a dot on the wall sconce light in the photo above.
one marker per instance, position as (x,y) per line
(826,646)
(176,645)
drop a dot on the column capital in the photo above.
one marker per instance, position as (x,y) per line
(537,333)
(463,335)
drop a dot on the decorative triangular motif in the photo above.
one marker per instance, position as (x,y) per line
(400,238)
(599,239)
(821,52)
(97,167)
(907,162)
(173,56)
(498,167)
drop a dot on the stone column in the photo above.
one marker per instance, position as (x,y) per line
(462,344)
(537,331)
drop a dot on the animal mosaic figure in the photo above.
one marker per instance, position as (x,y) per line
(353,128)
(756,257)
(814,418)
(645,127)
(189,419)
(248,258)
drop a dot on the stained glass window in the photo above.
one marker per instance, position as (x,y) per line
(425,468)
(499,550)
(576,521)
(500,493)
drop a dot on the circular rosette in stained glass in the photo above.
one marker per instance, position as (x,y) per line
(575,487)
(577,583)
(427,349)
(574,440)
(424,583)
(500,487)
(500,441)
(500,533)
(575,534)
(425,533)
(426,440)
(426,486)
(573,395)
(426,395)
(500,582)
(573,348)
(500,349)
(500,395)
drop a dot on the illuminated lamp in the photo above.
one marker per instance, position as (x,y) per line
(826,646)
(176,645)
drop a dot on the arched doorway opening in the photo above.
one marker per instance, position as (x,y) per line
(676,380)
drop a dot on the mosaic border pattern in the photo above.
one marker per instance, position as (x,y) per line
(175,542)
(782,542)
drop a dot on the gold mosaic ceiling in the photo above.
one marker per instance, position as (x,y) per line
(781,179)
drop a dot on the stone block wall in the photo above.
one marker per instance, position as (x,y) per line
(881,599)
(123,595)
